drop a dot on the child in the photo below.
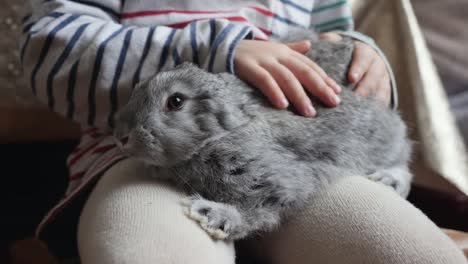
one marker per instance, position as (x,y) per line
(83,58)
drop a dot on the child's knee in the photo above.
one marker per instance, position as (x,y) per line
(167,253)
(137,238)
(169,247)
(358,221)
(136,220)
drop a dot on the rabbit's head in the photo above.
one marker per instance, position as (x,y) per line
(171,116)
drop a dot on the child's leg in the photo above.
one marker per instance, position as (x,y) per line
(131,218)
(358,221)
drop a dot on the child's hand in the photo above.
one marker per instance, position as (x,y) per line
(368,70)
(278,70)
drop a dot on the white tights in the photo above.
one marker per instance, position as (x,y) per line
(132,218)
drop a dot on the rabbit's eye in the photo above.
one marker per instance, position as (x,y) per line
(175,102)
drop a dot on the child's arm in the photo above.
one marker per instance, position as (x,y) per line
(83,63)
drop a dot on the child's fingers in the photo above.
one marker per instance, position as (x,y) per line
(329,81)
(311,64)
(300,46)
(370,81)
(262,79)
(292,88)
(312,81)
(363,57)
(330,36)
(384,95)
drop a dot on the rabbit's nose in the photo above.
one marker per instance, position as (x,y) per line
(124,140)
(121,142)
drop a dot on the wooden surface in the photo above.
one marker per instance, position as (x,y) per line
(19,124)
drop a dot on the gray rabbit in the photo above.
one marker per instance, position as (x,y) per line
(248,165)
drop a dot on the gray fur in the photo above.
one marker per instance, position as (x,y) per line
(249,165)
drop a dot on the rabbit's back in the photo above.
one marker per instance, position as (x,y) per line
(358,135)
(278,152)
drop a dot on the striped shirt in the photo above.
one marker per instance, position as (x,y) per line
(83,57)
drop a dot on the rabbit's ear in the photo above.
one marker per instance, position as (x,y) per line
(143,83)
(189,67)
(125,121)
(186,65)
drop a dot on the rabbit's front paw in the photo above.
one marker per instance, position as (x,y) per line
(221,221)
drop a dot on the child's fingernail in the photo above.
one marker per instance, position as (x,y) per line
(283,103)
(333,85)
(335,99)
(337,88)
(309,111)
(356,76)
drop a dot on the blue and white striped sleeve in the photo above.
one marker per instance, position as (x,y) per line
(336,16)
(83,63)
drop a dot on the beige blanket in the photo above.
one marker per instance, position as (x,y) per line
(423,102)
(447,38)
